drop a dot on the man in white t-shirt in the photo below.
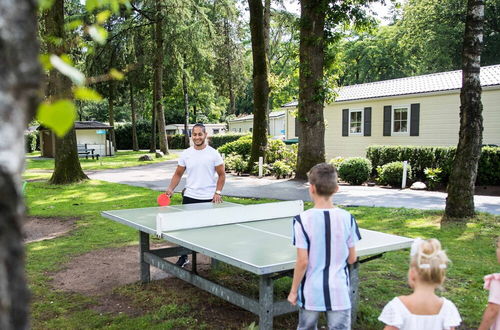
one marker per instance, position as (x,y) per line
(200,162)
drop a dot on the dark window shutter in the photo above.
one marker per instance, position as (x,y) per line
(297,127)
(345,122)
(367,130)
(415,119)
(387,120)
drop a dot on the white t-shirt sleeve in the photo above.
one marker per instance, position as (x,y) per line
(217,158)
(354,234)
(299,235)
(451,317)
(182,159)
(392,314)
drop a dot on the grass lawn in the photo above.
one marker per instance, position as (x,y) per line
(163,305)
(120,159)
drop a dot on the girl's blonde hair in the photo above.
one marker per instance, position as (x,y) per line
(429,260)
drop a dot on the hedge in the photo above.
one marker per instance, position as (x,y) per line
(420,158)
(31,140)
(219,140)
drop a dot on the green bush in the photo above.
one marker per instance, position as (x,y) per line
(392,173)
(336,161)
(219,140)
(235,162)
(242,147)
(176,141)
(123,135)
(355,170)
(281,170)
(275,150)
(31,141)
(433,176)
(421,158)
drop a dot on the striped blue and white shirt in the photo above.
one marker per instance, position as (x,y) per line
(327,234)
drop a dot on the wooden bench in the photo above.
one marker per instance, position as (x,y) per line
(84,151)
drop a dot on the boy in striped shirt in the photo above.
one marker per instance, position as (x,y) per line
(325,237)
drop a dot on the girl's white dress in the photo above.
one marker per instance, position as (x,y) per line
(397,315)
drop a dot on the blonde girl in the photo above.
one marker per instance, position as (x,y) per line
(491,316)
(423,309)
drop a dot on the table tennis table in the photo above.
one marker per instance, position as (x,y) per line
(256,238)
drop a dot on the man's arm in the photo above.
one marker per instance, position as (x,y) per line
(179,171)
(298,274)
(220,182)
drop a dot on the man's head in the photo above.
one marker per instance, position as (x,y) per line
(323,180)
(199,135)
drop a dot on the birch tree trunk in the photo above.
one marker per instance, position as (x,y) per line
(460,200)
(135,143)
(158,76)
(186,105)
(67,168)
(260,82)
(20,77)
(311,94)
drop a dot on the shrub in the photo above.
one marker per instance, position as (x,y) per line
(433,176)
(336,161)
(242,147)
(176,141)
(31,141)
(421,158)
(392,173)
(235,162)
(219,140)
(275,150)
(266,169)
(281,170)
(355,170)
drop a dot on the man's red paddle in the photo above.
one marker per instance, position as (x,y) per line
(163,200)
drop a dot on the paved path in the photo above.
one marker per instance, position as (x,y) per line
(157,176)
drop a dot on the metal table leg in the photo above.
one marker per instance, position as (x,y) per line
(354,293)
(144,247)
(266,302)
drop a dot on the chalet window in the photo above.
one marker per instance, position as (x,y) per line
(250,129)
(402,120)
(216,131)
(355,122)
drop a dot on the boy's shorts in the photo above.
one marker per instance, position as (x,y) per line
(308,320)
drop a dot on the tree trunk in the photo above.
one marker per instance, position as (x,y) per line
(311,94)
(232,98)
(111,111)
(460,200)
(152,142)
(20,77)
(267,30)
(158,76)
(186,106)
(67,168)
(260,82)
(135,143)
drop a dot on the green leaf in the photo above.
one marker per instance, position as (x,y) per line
(72,73)
(58,116)
(98,34)
(45,4)
(103,16)
(91,5)
(72,25)
(87,94)
(45,61)
(115,5)
(115,74)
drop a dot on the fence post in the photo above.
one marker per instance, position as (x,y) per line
(261,161)
(403,182)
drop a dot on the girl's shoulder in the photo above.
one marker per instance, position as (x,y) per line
(489,279)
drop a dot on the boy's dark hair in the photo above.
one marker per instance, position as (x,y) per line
(324,177)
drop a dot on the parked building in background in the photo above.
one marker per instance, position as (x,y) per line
(422,111)
(212,129)
(244,124)
(89,134)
